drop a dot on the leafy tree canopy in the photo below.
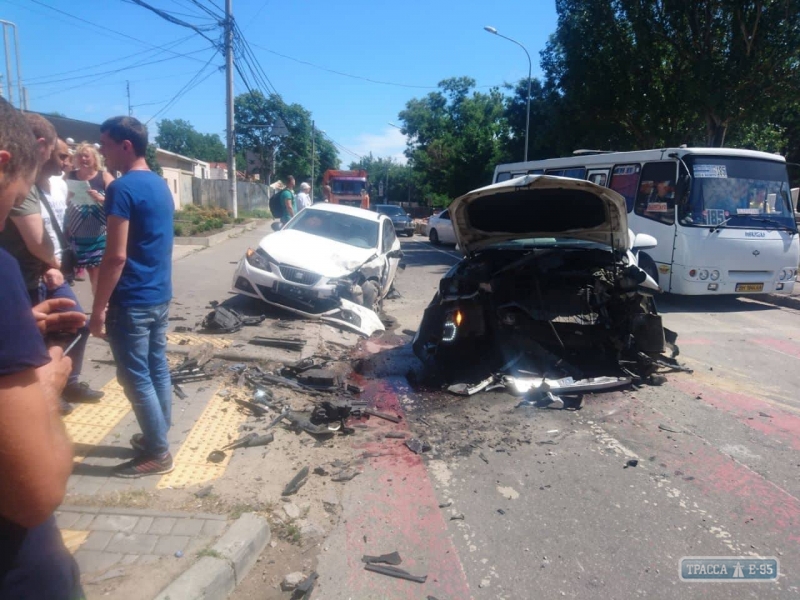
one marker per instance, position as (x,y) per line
(179,136)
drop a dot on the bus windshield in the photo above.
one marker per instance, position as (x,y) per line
(737,192)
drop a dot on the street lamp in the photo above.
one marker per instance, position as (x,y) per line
(528,111)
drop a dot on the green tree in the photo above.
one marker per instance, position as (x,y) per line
(379,171)
(152,161)
(455,137)
(280,135)
(179,136)
(638,73)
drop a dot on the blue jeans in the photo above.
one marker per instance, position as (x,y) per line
(138,338)
(65,291)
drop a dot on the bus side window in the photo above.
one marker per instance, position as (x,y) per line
(502,177)
(655,199)
(625,181)
(598,177)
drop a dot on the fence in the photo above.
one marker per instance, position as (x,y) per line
(215,192)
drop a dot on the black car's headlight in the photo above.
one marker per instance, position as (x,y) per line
(259,259)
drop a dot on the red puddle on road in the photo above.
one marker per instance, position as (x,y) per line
(399,512)
(779,424)
(783,346)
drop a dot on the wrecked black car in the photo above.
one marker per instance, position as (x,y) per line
(549,291)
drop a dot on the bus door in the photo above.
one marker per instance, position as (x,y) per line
(654,213)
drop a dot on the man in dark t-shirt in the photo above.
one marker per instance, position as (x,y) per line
(134,290)
(35,452)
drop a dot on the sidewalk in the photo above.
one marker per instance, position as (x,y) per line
(119,529)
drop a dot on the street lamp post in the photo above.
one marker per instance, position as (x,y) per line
(528,110)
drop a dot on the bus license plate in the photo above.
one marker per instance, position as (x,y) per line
(749,287)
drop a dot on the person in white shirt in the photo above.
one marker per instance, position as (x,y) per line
(56,195)
(303,199)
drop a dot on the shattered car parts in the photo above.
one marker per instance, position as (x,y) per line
(550,277)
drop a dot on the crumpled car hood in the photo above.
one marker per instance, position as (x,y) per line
(314,253)
(540,206)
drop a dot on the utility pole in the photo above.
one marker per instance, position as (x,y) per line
(128,86)
(8,64)
(229,105)
(312,161)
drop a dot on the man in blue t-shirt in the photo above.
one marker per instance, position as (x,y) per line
(135,286)
(35,452)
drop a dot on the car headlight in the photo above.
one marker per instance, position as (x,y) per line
(703,274)
(782,275)
(258,259)
(714,275)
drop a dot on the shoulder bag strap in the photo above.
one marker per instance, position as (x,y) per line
(54,222)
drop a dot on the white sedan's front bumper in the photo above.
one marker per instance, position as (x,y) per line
(313,301)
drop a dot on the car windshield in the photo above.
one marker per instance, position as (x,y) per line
(354,231)
(738,192)
(348,186)
(391,211)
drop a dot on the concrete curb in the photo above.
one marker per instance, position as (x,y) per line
(215,576)
(213,240)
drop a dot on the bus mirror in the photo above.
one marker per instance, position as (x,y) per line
(644,241)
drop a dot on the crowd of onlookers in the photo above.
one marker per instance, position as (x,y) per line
(62,214)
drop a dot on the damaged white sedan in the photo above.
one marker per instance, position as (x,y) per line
(330,262)
(549,291)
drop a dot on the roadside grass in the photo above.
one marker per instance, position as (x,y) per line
(209,552)
(194,220)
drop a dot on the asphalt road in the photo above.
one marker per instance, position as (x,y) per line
(549,507)
(522,503)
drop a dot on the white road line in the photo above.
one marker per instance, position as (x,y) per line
(456,256)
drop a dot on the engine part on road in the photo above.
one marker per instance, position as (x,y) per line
(296,483)
(381,415)
(417,446)
(287,343)
(395,572)
(393,558)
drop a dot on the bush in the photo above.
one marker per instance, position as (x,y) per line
(193,219)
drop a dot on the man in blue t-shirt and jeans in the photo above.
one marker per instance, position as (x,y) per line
(135,288)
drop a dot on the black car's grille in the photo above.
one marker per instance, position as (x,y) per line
(299,276)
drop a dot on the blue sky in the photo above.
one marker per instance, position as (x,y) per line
(412,44)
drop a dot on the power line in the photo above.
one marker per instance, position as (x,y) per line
(168,17)
(31,80)
(101,29)
(335,72)
(193,82)
(135,65)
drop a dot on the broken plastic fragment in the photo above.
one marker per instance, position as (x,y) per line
(417,446)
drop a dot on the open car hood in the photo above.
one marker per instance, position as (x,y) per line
(540,206)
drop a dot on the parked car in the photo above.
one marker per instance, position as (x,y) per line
(440,229)
(549,284)
(331,262)
(403,225)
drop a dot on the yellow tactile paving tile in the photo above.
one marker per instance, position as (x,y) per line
(90,423)
(215,428)
(191,339)
(73,539)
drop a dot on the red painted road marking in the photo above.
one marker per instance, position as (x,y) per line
(780,424)
(400,512)
(738,494)
(782,346)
